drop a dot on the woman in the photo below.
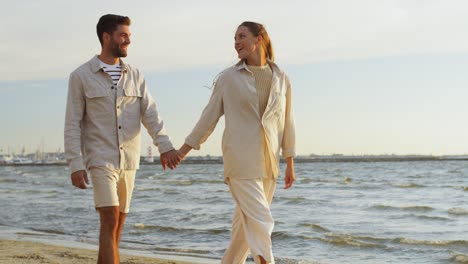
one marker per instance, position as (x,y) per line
(255,97)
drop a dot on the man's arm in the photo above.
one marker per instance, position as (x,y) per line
(155,127)
(72,133)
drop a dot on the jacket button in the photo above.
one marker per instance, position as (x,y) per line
(120,127)
(112,87)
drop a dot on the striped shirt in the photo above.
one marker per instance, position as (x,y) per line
(114,71)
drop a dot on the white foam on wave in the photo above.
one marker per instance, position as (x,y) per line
(458,211)
(459,258)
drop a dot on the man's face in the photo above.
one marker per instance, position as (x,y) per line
(119,41)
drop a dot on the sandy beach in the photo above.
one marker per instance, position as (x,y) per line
(23,246)
(25,252)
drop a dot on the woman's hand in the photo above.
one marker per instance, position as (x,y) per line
(170,159)
(184,150)
(290,175)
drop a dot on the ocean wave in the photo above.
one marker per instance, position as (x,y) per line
(408,185)
(420,208)
(142,226)
(331,238)
(375,240)
(284,235)
(372,242)
(348,240)
(305,180)
(315,227)
(171,191)
(347,180)
(279,235)
(294,200)
(209,181)
(75,210)
(31,175)
(458,211)
(315,180)
(50,231)
(36,191)
(182,250)
(146,189)
(182,182)
(439,243)
(417,208)
(293,261)
(8,180)
(459,258)
(208,200)
(429,217)
(11,191)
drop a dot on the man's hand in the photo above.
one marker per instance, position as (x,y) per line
(170,159)
(79,179)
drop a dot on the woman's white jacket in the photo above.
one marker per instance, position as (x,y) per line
(251,143)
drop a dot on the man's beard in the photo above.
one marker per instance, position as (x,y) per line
(117,52)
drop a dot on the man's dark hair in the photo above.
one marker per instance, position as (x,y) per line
(109,23)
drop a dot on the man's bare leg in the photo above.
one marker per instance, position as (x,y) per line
(108,247)
(120,227)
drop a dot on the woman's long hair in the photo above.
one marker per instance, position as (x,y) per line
(258,29)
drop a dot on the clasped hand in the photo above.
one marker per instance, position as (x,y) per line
(170,159)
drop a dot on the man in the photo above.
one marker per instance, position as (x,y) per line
(107,102)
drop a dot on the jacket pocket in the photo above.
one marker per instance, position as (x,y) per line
(278,103)
(132,91)
(96,93)
(99,102)
(131,102)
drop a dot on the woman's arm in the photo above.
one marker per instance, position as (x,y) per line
(184,150)
(208,120)
(289,140)
(288,144)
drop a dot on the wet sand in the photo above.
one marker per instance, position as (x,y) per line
(26,252)
(24,246)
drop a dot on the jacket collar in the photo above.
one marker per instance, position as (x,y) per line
(242,65)
(96,65)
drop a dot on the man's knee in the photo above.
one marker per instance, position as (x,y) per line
(109,217)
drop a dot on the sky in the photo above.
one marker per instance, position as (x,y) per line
(368,76)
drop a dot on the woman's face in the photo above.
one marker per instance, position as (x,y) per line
(245,43)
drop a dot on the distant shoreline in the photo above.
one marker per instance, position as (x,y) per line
(219,160)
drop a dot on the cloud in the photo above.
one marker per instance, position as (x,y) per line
(50,39)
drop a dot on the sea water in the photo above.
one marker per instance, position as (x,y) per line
(336,212)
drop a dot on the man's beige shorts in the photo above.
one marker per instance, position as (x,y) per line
(112,187)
